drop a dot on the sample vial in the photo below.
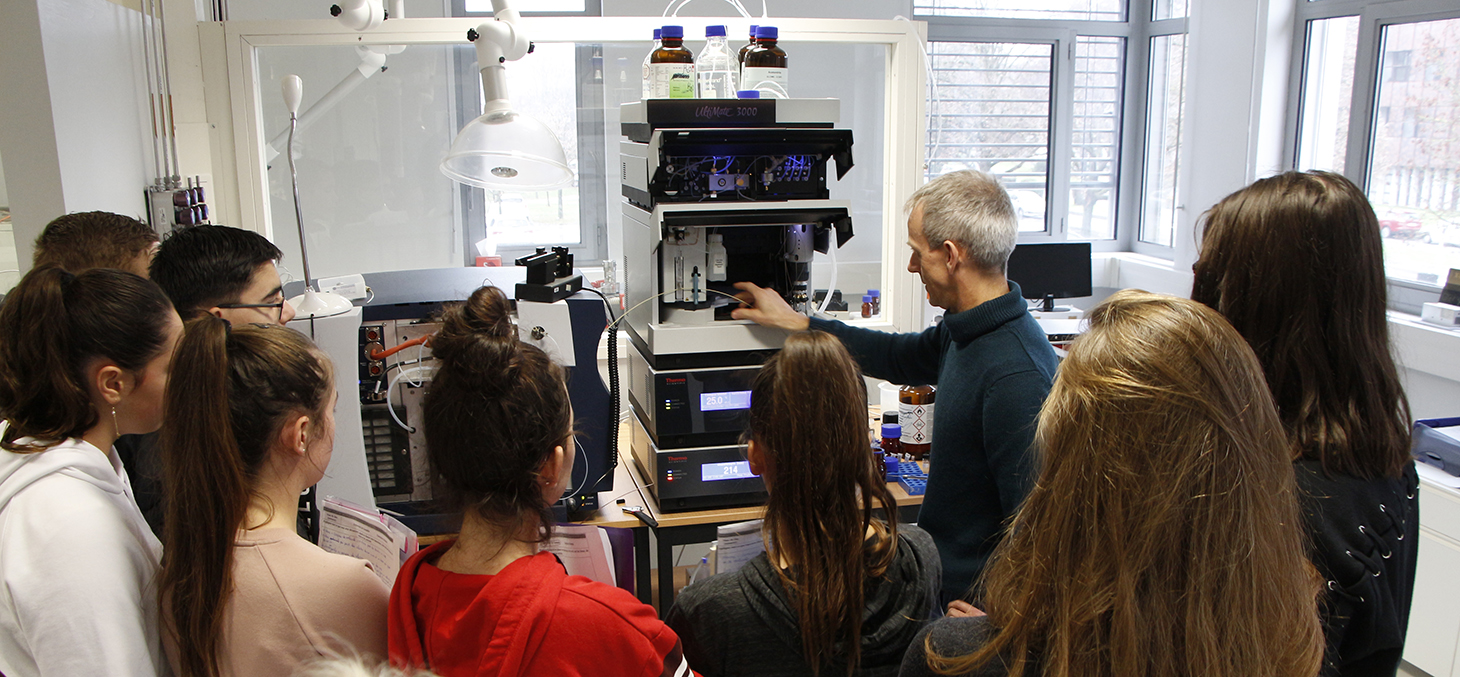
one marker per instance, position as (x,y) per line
(672,67)
(892,440)
(867,307)
(915,412)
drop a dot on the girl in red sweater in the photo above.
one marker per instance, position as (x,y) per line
(499,430)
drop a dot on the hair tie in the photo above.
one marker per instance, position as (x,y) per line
(227,326)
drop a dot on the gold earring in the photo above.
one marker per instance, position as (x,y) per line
(115,428)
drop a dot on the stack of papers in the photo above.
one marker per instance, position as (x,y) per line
(349,529)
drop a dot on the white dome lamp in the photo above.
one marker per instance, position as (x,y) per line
(310,303)
(504,149)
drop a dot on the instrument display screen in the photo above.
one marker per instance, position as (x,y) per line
(733,470)
(725,401)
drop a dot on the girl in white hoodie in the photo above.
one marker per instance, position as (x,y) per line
(83,359)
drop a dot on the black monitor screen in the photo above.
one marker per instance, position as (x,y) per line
(1058,269)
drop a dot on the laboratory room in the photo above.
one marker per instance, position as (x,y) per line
(730,337)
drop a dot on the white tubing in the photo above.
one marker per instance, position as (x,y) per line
(391,388)
(831,251)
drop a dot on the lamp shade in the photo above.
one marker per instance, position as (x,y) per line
(506,150)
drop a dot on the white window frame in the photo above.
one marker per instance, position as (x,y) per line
(235,109)
(1374,16)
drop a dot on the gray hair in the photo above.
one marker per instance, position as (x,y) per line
(971,209)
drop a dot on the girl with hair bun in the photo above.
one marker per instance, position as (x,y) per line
(838,591)
(499,435)
(250,427)
(1162,537)
(83,360)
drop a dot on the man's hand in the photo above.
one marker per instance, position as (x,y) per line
(961,609)
(766,307)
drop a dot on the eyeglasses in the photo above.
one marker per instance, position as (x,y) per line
(278,308)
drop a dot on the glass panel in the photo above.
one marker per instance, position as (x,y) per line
(1094,169)
(1163,138)
(1414,167)
(537,85)
(9,262)
(991,112)
(1085,10)
(1328,85)
(1170,9)
(370,189)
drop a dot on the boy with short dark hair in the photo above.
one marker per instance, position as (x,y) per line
(85,240)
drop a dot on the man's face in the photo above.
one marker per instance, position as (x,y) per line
(265,292)
(930,263)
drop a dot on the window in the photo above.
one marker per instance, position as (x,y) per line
(1164,100)
(1087,10)
(1379,102)
(992,114)
(1095,161)
(9,262)
(1036,93)
(1396,66)
(1332,47)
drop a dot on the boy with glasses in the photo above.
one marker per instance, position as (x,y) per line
(226,272)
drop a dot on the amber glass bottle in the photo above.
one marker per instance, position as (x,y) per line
(748,46)
(765,66)
(672,67)
(915,414)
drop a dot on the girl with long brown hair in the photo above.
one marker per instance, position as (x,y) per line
(83,360)
(250,426)
(1162,537)
(839,590)
(1296,264)
(499,435)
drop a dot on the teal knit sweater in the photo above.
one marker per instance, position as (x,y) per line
(993,367)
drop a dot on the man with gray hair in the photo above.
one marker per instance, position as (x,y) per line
(989,358)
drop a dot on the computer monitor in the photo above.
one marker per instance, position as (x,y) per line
(1052,270)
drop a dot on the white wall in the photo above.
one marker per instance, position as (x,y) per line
(73,126)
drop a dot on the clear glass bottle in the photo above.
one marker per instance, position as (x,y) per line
(672,67)
(649,84)
(766,66)
(915,414)
(715,66)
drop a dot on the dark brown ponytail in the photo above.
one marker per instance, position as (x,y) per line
(230,392)
(808,412)
(496,409)
(51,325)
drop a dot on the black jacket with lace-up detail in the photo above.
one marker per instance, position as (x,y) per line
(1365,535)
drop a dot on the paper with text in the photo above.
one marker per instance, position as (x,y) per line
(584,551)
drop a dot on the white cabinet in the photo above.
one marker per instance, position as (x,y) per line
(1434,616)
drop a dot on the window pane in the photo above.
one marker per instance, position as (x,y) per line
(1414,168)
(1170,9)
(9,262)
(991,113)
(1163,138)
(370,189)
(1095,154)
(538,87)
(1328,85)
(1086,10)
